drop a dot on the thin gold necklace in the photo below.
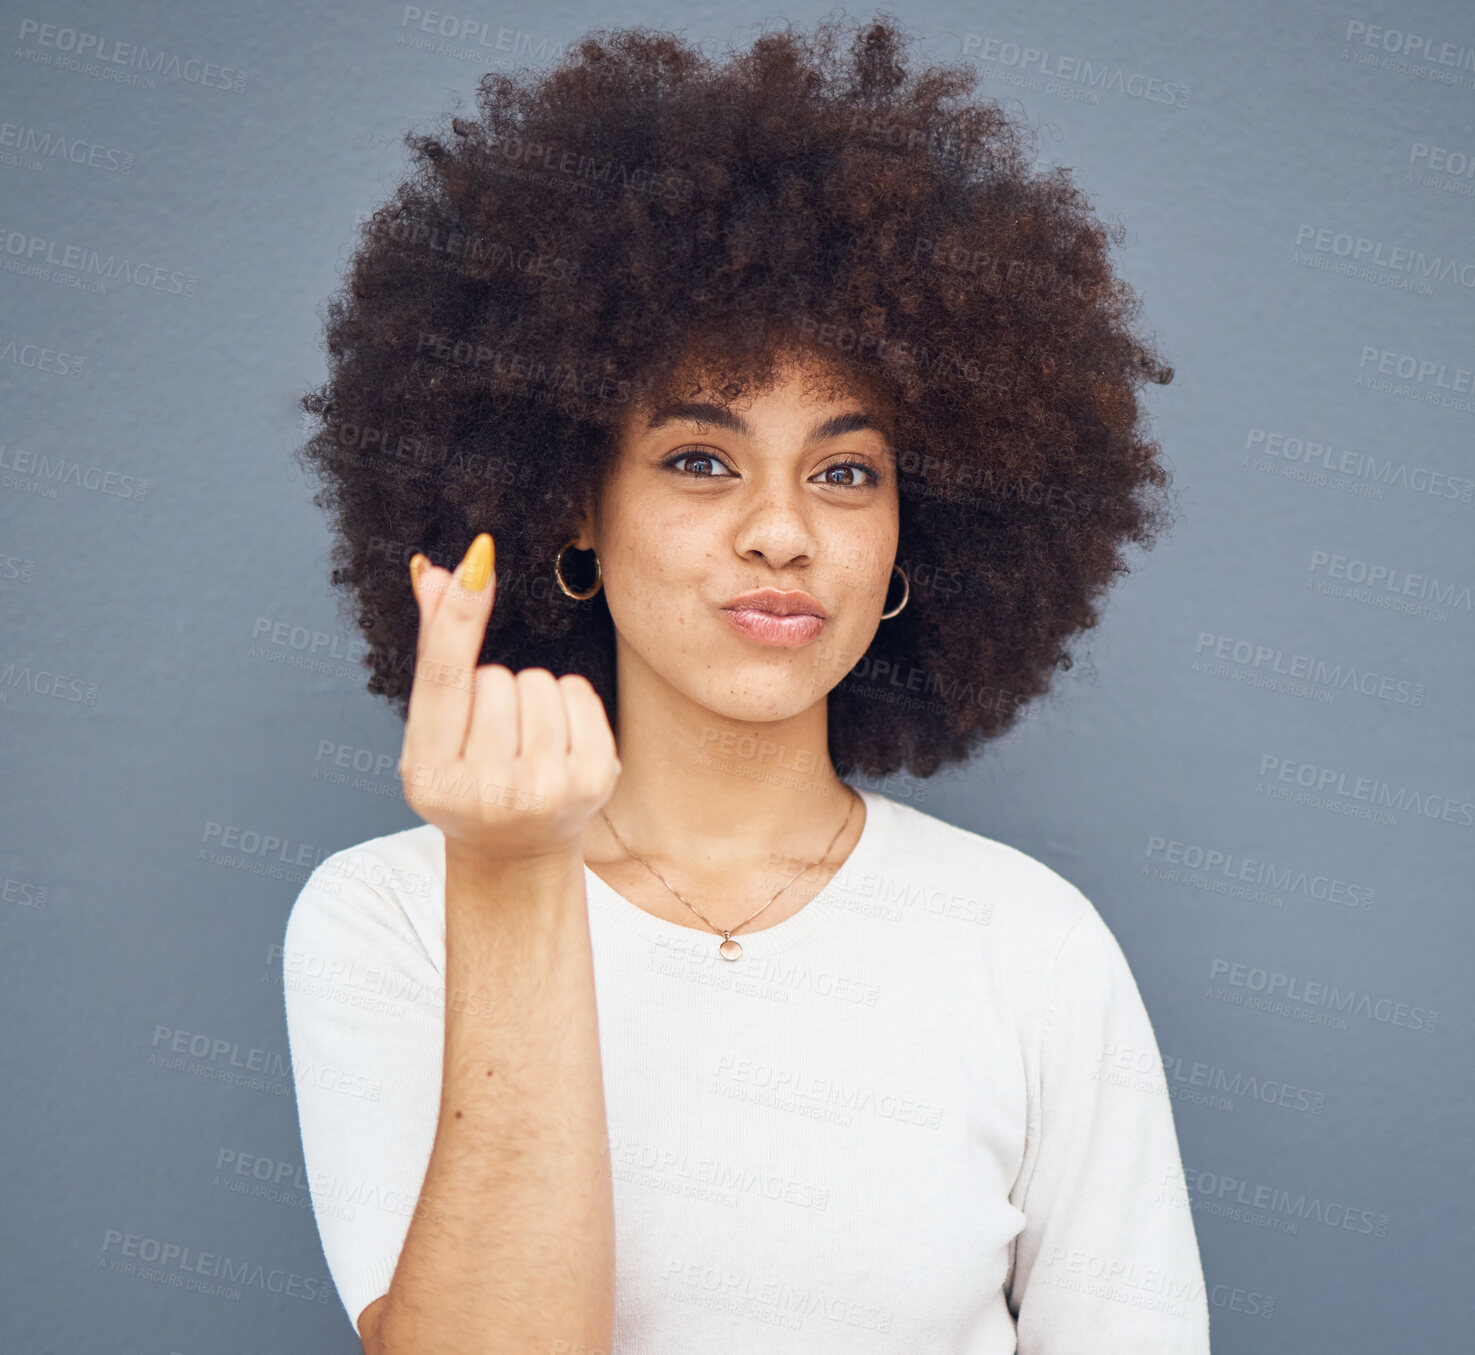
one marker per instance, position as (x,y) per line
(730,949)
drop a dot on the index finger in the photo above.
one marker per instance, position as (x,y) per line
(452,633)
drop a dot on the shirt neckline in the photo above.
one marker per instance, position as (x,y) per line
(875,833)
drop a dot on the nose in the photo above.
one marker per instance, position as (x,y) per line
(774,528)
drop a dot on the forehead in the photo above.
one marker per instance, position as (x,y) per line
(837,401)
(727,417)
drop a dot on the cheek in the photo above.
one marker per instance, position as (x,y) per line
(863,563)
(656,577)
(666,549)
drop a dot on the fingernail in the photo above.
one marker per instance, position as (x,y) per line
(476,568)
(417,568)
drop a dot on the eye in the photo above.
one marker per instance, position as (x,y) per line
(849,466)
(701,457)
(705,464)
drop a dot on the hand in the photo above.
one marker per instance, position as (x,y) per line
(510,766)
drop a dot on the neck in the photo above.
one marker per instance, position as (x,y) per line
(705,790)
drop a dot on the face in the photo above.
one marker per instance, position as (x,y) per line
(715,515)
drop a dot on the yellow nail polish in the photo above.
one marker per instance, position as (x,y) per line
(476,568)
(417,568)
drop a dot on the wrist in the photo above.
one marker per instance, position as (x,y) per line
(552,865)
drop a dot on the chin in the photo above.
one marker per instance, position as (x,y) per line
(756,693)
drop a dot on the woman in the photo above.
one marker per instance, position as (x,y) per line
(792,422)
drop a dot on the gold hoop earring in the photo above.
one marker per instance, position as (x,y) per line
(906,594)
(558,574)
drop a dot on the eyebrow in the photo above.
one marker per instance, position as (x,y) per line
(719,417)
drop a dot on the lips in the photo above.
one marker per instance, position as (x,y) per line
(794,602)
(772,617)
(796,629)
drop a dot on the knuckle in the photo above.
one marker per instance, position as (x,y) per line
(495,681)
(549,777)
(595,778)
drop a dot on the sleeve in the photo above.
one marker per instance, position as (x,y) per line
(365,1026)
(1107,1262)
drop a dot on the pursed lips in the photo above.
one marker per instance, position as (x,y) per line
(774,602)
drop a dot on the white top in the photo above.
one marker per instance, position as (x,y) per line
(926,1113)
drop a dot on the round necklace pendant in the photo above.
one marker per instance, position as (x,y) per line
(729,949)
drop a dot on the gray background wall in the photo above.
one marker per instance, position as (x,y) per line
(1282,686)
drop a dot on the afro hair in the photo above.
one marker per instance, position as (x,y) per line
(549,264)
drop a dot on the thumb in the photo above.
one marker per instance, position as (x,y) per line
(430,583)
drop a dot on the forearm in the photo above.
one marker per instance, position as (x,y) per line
(512,1248)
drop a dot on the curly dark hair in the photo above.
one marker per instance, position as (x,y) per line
(554,260)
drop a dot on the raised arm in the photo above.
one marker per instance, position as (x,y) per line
(512,1247)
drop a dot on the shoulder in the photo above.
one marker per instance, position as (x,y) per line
(1012,925)
(1022,890)
(392,886)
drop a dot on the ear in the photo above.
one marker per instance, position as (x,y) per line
(585,528)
